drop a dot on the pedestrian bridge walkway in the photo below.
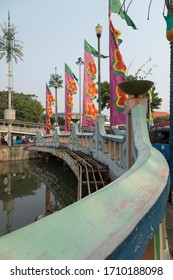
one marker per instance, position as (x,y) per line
(123,220)
(20,127)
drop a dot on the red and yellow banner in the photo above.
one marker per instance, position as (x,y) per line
(49,101)
(70,89)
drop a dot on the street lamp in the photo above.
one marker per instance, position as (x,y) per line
(79,62)
(56,86)
(169,35)
(99,33)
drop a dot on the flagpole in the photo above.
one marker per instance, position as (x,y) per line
(47,131)
(79,62)
(46,113)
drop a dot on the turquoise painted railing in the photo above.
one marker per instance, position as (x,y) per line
(116,222)
(109,149)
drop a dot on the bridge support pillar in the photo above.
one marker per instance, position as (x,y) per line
(130,103)
(9,116)
(99,118)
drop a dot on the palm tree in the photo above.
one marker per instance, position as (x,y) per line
(55,81)
(11,49)
(156,101)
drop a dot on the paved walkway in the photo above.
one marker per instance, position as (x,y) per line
(169,224)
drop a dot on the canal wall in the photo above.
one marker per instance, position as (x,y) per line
(16,153)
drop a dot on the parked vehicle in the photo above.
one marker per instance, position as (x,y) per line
(159,137)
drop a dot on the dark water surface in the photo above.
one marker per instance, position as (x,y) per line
(32,189)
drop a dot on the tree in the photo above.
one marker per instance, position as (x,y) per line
(9,46)
(55,81)
(61,120)
(156,101)
(27,108)
(141,74)
(105,95)
(161,119)
(11,49)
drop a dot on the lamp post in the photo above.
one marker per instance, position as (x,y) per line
(99,33)
(56,86)
(169,35)
(79,62)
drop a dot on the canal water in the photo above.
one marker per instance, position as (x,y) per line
(32,189)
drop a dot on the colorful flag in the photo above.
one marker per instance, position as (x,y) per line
(116,7)
(70,89)
(92,50)
(169,26)
(117,75)
(90,90)
(49,101)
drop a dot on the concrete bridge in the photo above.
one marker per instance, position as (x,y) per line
(29,128)
(124,220)
(20,127)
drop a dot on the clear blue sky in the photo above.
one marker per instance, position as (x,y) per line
(53,33)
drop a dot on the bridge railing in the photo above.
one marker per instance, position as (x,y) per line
(120,221)
(21,127)
(128,152)
(110,149)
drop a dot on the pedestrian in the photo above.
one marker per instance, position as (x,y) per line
(6,139)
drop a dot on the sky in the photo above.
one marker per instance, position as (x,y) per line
(53,33)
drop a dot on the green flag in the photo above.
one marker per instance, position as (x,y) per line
(116,7)
(92,50)
(68,70)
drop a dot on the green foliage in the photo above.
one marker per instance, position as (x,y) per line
(27,108)
(105,95)
(9,46)
(141,74)
(161,119)
(156,100)
(3,103)
(61,120)
(55,81)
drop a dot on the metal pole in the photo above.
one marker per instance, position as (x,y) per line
(9,100)
(9,83)
(99,77)
(171,122)
(79,95)
(169,36)
(56,86)
(99,33)
(56,106)
(80,62)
